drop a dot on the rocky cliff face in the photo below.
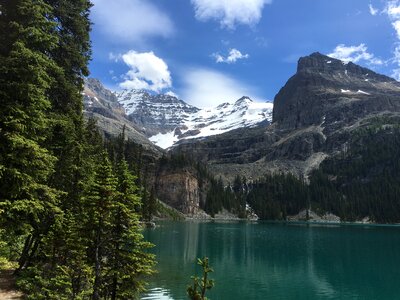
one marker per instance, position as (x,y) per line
(179,189)
(165,119)
(154,113)
(314,116)
(326,91)
(101,104)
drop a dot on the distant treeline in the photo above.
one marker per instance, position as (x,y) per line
(362,181)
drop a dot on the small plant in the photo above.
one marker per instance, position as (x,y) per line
(197,291)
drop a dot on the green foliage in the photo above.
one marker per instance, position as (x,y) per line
(129,259)
(168,212)
(68,215)
(364,180)
(361,181)
(276,196)
(28,204)
(198,290)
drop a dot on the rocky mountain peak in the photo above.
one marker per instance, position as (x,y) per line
(141,99)
(166,119)
(245,100)
(329,89)
(320,64)
(93,85)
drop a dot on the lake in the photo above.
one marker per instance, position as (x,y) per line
(277,260)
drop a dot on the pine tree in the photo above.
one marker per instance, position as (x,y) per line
(200,285)
(28,205)
(99,204)
(129,260)
(66,131)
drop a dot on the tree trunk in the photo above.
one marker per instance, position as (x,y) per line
(25,252)
(97,269)
(30,247)
(114,288)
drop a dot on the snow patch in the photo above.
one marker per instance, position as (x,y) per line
(329,62)
(165,140)
(362,92)
(190,122)
(345,91)
(228,116)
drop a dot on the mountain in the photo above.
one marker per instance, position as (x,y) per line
(154,113)
(329,91)
(166,120)
(102,104)
(315,116)
(334,125)
(174,181)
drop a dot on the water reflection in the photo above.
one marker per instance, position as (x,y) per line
(259,261)
(157,293)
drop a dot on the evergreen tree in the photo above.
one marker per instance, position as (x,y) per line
(129,260)
(200,285)
(99,203)
(66,131)
(58,192)
(29,206)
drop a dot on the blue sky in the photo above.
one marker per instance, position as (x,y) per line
(213,51)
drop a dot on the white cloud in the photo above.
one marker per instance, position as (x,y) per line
(396,26)
(372,10)
(147,71)
(355,54)
(396,74)
(396,53)
(114,57)
(130,21)
(208,88)
(393,9)
(233,56)
(396,60)
(230,12)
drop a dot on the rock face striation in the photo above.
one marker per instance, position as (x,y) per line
(326,90)
(154,113)
(314,116)
(102,105)
(179,189)
(165,119)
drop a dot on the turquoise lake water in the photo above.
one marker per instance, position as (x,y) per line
(278,261)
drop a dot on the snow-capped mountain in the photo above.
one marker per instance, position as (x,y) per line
(166,120)
(154,113)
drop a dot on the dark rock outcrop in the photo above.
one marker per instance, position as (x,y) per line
(331,91)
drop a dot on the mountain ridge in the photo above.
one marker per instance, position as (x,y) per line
(314,116)
(166,120)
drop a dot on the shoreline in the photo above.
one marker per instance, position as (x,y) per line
(288,222)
